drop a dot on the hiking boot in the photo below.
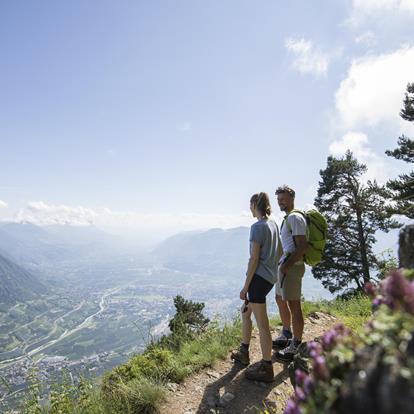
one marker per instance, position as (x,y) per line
(287,354)
(241,355)
(282,341)
(261,371)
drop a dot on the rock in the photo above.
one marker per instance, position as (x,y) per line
(314,315)
(213,374)
(226,398)
(380,389)
(172,386)
(406,247)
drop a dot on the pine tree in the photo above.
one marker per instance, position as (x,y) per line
(403,186)
(189,317)
(354,211)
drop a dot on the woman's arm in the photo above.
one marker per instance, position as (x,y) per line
(251,268)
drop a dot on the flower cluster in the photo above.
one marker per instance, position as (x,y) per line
(305,384)
(335,357)
(396,291)
(304,388)
(334,335)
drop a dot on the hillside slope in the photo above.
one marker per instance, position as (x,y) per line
(16,283)
(223,388)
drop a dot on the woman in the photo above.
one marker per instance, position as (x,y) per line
(265,250)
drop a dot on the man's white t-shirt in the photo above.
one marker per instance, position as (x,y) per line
(297,225)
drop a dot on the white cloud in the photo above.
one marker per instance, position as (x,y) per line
(363,9)
(358,143)
(3,204)
(307,58)
(40,213)
(367,39)
(374,88)
(43,214)
(372,6)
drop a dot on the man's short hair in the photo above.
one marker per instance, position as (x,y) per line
(284,189)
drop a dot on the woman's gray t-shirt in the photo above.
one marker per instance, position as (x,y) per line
(266,233)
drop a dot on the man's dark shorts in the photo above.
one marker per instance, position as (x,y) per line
(258,289)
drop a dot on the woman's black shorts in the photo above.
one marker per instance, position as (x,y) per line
(258,289)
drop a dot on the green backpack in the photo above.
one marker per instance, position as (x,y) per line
(316,231)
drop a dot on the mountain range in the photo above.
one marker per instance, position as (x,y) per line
(17,284)
(210,251)
(34,246)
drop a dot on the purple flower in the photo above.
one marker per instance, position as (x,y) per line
(377,302)
(299,393)
(315,349)
(300,376)
(398,292)
(292,407)
(341,329)
(320,370)
(329,339)
(308,385)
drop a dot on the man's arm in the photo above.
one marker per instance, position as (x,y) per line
(301,248)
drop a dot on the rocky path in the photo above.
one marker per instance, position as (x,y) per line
(222,389)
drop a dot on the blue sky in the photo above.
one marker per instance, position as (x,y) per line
(142,115)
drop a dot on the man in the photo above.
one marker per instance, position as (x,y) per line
(291,271)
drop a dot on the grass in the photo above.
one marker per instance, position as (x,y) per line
(159,366)
(353,312)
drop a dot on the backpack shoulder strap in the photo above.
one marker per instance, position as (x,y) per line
(287,224)
(302,213)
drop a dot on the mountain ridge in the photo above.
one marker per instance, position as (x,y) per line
(17,284)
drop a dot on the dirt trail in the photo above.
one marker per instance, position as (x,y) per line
(222,389)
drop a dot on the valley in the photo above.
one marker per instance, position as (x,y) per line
(93,313)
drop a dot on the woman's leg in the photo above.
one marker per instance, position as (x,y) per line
(246,324)
(260,314)
(242,353)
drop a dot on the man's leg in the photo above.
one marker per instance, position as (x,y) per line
(297,318)
(292,290)
(284,312)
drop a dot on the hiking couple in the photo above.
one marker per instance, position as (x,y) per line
(275,259)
